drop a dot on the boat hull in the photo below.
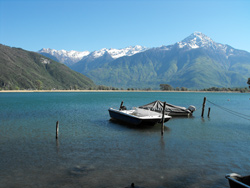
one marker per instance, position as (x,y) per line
(133,120)
(238,181)
(128,119)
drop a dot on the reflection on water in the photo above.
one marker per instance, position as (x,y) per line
(57,146)
(93,151)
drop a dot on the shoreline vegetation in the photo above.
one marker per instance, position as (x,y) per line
(163,88)
(55,91)
(102,88)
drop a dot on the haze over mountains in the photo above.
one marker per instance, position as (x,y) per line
(196,62)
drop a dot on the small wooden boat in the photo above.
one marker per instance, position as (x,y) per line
(137,116)
(238,181)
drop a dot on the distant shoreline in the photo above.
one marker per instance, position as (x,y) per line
(74,91)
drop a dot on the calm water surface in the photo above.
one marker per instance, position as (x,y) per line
(93,151)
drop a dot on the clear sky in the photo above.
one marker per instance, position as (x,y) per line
(95,24)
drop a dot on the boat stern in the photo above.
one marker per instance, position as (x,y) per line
(238,181)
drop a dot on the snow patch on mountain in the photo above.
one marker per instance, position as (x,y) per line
(117,53)
(45,61)
(67,57)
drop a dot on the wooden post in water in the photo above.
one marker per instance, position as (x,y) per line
(203,106)
(163,118)
(57,129)
(208,114)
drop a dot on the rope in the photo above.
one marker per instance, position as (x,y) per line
(199,108)
(231,111)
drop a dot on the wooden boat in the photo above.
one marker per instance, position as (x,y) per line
(238,181)
(137,116)
(170,109)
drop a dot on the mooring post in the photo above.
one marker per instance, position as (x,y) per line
(163,118)
(203,106)
(57,129)
(208,114)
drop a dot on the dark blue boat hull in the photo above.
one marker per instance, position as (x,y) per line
(238,181)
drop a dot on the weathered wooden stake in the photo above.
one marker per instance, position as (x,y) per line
(208,114)
(57,129)
(203,106)
(163,118)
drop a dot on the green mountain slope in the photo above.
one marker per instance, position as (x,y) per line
(196,68)
(90,63)
(20,69)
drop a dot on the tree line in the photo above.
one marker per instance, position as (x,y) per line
(167,87)
(163,87)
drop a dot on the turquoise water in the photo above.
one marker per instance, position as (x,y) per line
(93,151)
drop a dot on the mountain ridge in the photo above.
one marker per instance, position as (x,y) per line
(71,57)
(196,62)
(21,69)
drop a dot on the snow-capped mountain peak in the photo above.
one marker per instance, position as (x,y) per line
(197,40)
(71,57)
(98,53)
(66,57)
(116,53)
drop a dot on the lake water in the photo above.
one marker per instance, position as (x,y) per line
(93,151)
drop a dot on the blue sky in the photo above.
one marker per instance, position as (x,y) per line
(95,24)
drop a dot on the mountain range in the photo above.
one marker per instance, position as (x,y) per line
(71,57)
(21,69)
(196,62)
